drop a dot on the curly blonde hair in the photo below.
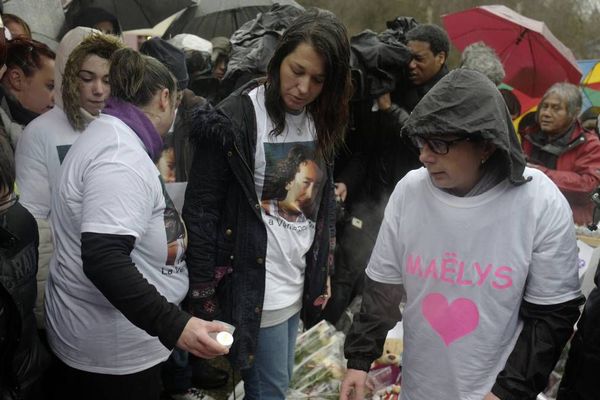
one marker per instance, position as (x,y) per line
(97,44)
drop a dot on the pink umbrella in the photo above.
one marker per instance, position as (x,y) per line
(532,56)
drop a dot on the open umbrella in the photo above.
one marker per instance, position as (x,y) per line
(132,14)
(532,56)
(211,18)
(590,82)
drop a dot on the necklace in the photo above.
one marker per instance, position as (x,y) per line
(297,126)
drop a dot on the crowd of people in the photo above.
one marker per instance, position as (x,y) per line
(300,196)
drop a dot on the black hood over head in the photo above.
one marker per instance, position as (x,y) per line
(90,16)
(466,103)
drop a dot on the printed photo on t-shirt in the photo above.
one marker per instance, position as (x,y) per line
(294,180)
(175,230)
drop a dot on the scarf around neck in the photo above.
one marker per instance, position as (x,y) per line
(134,118)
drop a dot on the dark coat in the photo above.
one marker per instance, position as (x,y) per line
(580,380)
(23,359)
(184,152)
(227,237)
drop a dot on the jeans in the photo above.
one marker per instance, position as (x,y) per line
(270,375)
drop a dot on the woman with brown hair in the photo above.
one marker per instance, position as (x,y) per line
(250,268)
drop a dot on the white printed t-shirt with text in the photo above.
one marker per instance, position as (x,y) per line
(466,265)
(289,237)
(110,185)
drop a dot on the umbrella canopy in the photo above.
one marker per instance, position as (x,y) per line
(590,82)
(211,18)
(132,14)
(532,56)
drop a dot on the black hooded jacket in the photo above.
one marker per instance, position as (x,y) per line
(461,105)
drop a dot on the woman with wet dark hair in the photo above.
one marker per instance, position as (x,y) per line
(254,268)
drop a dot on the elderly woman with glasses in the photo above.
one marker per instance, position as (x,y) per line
(484,249)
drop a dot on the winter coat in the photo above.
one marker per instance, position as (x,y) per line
(23,358)
(184,151)
(577,171)
(580,380)
(13,116)
(227,237)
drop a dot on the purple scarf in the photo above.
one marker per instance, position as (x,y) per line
(134,118)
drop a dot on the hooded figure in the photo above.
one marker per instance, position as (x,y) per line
(98,18)
(484,249)
(449,109)
(46,140)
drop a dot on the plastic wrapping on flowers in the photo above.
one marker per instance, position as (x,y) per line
(319,363)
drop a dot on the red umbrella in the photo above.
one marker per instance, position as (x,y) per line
(532,56)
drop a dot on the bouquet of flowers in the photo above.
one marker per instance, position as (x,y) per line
(319,363)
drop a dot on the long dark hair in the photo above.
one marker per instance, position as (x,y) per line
(327,36)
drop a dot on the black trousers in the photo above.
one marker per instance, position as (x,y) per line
(72,384)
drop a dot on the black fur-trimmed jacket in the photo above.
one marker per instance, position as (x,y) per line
(227,238)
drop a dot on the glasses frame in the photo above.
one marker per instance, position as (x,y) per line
(438,146)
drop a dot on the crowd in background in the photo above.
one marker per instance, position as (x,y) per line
(308,184)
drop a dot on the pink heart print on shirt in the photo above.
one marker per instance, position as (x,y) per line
(450,321)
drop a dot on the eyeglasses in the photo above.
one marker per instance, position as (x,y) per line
(438,146)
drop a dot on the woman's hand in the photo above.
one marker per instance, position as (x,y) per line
(327,295)
(353,386)
(194,338)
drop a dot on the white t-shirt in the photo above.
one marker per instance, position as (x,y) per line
(108,184)
(466,264)
(40,152)
(289,208)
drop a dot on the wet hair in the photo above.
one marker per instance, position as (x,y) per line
(97,44)
(432,34)
(136,78)
(8,18)
(479,57)
(7,167)
(197,63)
(285,171)
(328,38)
(27,55)
(568,93)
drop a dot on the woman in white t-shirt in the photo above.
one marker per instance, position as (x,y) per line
(484,249)
(270,143)
(115,282)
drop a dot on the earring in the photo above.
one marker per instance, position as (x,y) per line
(483,160)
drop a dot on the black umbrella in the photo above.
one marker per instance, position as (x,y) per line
(210,18)
(132,14)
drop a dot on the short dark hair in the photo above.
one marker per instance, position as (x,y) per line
(432,34)
(7,167)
